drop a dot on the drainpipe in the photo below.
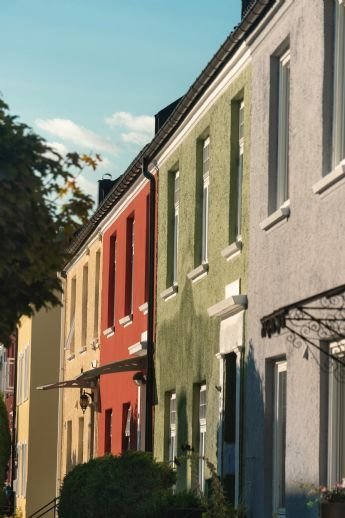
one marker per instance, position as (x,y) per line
(150,383)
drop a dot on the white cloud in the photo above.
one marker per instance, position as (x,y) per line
(88,186)
(68,131)
(139,128)
(134,137)
(59,147)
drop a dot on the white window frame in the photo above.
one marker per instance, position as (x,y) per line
(240,170)
(202,440)
(205,197)
(336,419)
(176,224)
(172,429)
(338,153)
(132,266)
(279,438)
(282,179)
(127,432)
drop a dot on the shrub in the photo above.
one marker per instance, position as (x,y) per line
(128,485)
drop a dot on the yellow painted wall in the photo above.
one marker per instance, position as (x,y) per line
(82,356)
(37,417)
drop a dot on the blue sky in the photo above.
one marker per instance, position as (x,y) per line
(88,75)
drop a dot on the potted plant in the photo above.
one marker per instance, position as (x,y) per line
(332,501)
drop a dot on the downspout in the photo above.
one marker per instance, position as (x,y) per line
(150,383)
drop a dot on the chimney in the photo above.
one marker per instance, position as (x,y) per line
(104,187)
(164,114)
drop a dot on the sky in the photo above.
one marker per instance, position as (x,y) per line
(89,75)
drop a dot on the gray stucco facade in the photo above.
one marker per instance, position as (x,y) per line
(299,256)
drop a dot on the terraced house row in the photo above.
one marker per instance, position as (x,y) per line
(204,302)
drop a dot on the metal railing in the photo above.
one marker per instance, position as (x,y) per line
(51,506)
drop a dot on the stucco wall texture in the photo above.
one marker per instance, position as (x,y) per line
(81,356)
(186,338)
(294,260)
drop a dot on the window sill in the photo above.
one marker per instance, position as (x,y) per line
(144,308)
(82,350)
(198,273)
(279,216)
(70,357)
(170,292)
(126,321)
(229,306)
(331,181)
(233,250)
(109,331)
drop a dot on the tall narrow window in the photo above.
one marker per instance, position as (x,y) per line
(108,417)
(84,305)
(69,461)
(205,193)
(126,426)
(202,437)
(339,85)
(172,429)
(80,440)
(176,223)
(283,130)
(129,267)
(279,437)
(70,342)
(336,417)
(240,170)
(112,282)
(97,284)
(20,379)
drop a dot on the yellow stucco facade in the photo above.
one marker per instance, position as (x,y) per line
(79,353)
(37,364)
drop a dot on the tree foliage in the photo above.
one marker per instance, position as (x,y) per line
(41,208)
(127,485)
(5,443)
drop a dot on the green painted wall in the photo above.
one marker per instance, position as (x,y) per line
(187,339)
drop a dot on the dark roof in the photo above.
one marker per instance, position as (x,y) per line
(256,9)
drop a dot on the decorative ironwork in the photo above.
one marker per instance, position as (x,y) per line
(313,324)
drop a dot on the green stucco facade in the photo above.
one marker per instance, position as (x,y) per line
(187,339)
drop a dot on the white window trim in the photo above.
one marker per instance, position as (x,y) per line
(126,321)
(240,174)
(338,153)
(172,431)
(202,445)
(279,216)
(205,202)
(198,273)
(279,367)
(176,227)
(334,419)
(282,188)
(331,181)
(169,293)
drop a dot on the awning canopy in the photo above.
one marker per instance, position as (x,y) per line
(311,321)
(88,378)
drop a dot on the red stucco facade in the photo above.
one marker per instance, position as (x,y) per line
(124,290)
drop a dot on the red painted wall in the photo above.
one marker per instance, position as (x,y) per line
(117,390)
